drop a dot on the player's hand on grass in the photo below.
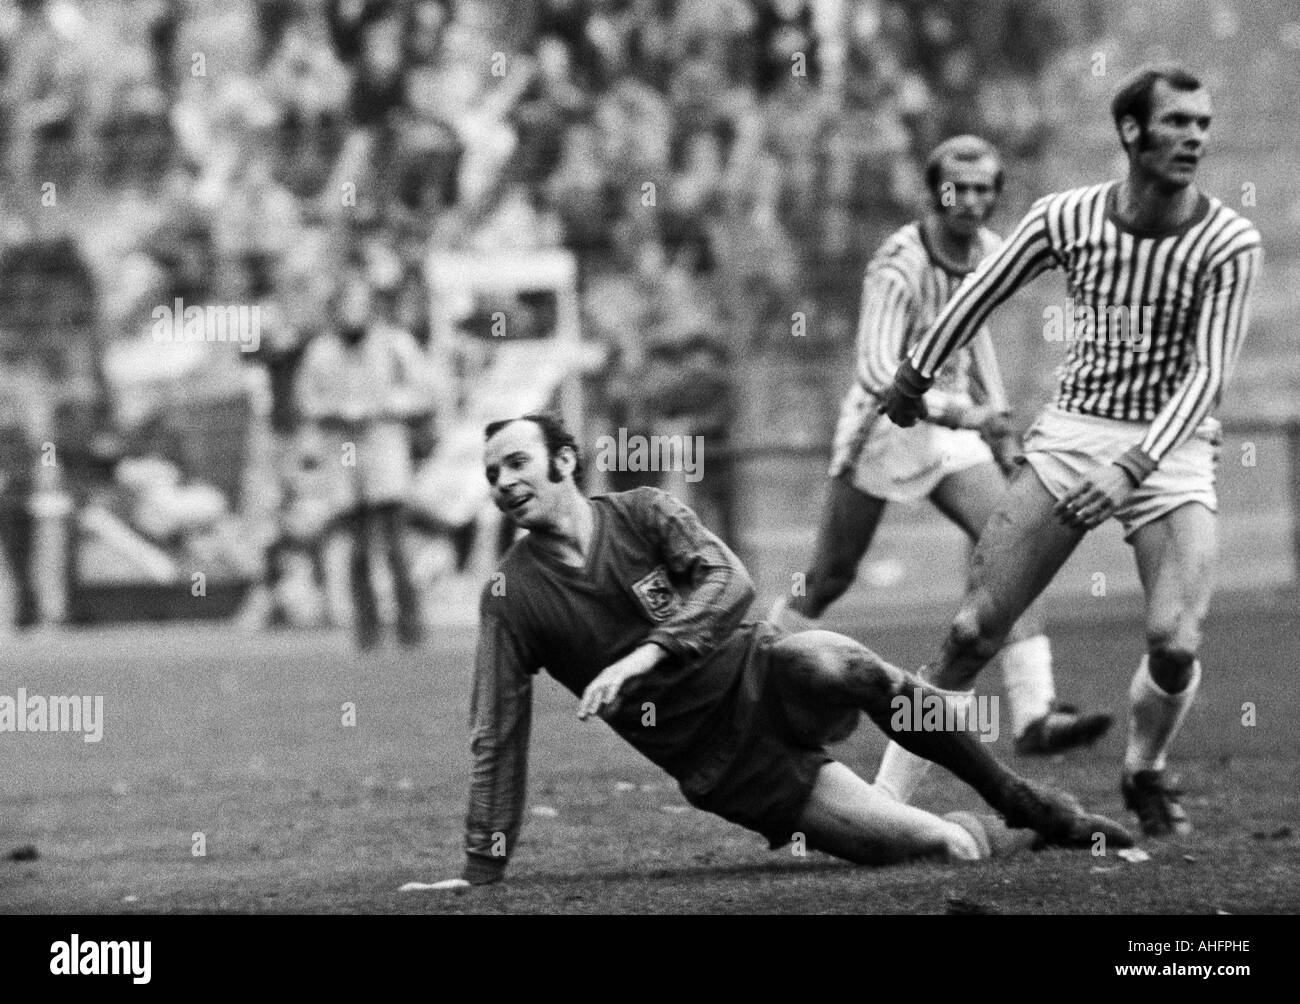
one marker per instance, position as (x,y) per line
(480,870)
(446,885)
(476,875)
(1096,500)
(602,695)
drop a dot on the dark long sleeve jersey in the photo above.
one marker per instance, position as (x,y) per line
(653,574)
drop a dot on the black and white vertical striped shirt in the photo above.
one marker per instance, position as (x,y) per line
(905,288)
(1185,295)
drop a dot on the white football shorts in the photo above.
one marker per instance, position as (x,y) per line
(896,464)
(1062,447)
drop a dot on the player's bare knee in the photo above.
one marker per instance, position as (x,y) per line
(866,676)
(1171,657)
(832,666)
(803,660)
(972,633)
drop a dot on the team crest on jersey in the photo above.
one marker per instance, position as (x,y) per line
(658,598)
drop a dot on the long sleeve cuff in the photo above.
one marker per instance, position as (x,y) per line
(909,381)
(483,871)
(1136,463)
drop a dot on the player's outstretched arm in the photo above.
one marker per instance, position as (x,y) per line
(903,401)
(500,719)
(1027,253)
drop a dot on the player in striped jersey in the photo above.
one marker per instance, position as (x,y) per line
(946,458)
(1160,277)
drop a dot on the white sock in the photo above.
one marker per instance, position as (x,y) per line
(791,620)
(1027,673)
(901,770)
(1154,718)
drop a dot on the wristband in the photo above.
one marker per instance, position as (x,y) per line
(909,382)
(1136,463)
(483,871)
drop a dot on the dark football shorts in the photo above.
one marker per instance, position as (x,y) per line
(753,771)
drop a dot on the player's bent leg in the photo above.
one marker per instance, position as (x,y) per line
(848,523)
(821,673)
(1021,548)
(1040,725)
(1175,556)
(847,817)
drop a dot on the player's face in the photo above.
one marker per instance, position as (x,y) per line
(1173,142)
(518,470)
(967,194)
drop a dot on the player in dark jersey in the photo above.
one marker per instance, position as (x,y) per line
(637,609)
(1159,275)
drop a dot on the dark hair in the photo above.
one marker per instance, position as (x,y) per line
(1134,94)
(964,148)
(556,436)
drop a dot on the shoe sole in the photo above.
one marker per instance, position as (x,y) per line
(1076,737)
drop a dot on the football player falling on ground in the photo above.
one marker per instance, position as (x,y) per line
(631,604)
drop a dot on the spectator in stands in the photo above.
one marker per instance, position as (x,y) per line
(25,424)
(302,501)
(360,383)
(41,95)
(309,88)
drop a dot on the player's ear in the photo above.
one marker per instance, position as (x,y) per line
(1129,131)
(565,461)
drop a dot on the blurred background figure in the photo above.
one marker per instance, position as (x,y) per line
(716,173)
(24,427)
(362,384)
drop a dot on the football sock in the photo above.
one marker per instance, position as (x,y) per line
(901,770)
(1027,674)
(785,616)
(1155,717)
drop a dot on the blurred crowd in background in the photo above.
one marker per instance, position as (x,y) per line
(715,165)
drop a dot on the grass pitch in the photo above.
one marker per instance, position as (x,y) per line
(236,745)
